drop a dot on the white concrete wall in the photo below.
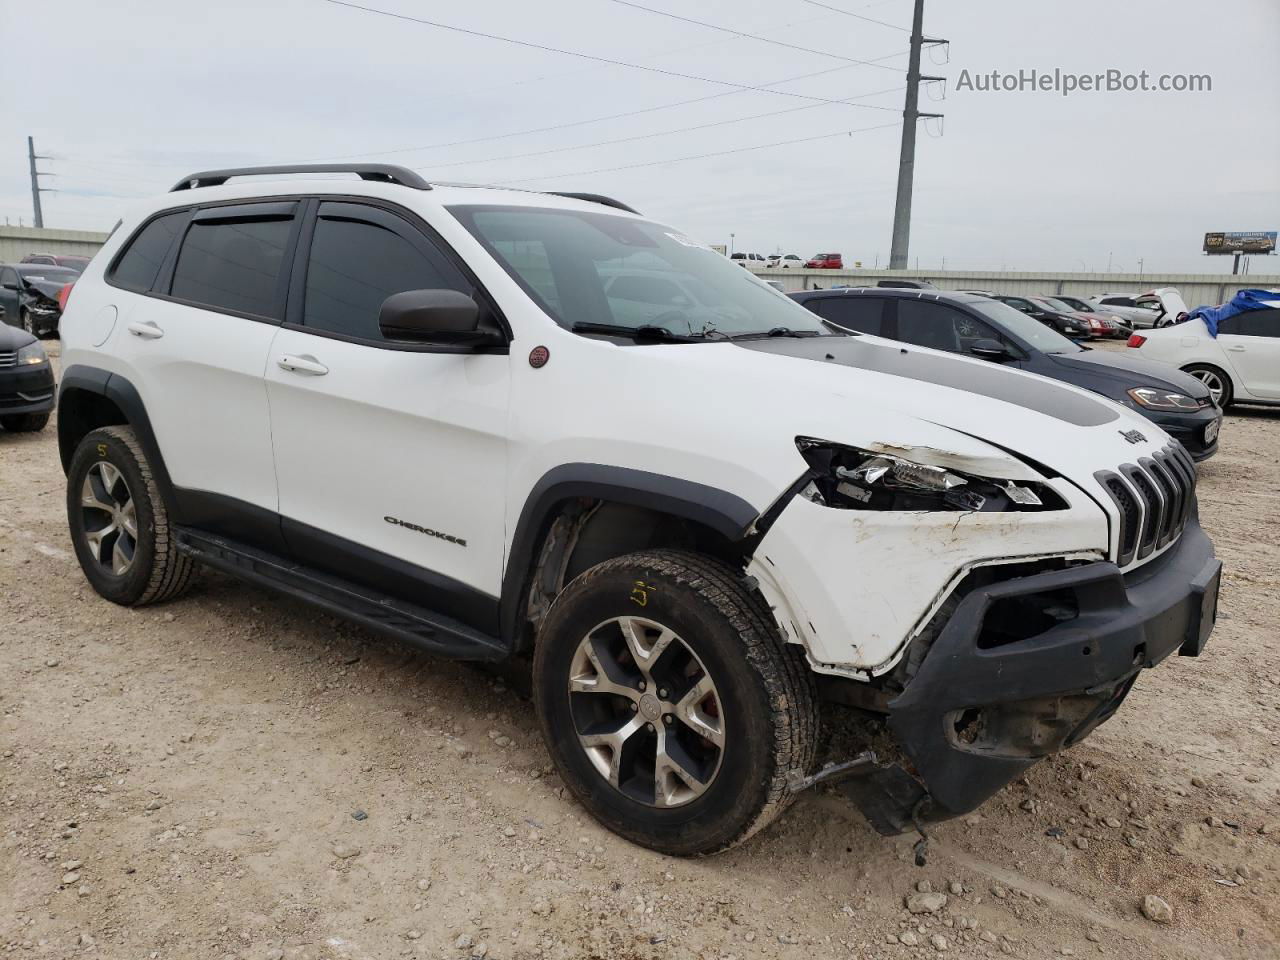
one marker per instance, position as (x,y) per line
(1197,289)
(17,242)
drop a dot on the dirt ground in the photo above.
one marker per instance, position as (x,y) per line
(236,775)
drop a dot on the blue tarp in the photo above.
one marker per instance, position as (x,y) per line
(1242,301)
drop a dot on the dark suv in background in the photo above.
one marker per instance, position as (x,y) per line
(990,330)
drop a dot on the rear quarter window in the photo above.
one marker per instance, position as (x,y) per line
(139,265)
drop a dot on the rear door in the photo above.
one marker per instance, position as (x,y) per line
(1251,343)
(201,294)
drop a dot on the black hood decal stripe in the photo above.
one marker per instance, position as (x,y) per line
(1041,395)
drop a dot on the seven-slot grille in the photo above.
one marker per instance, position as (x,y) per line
(1154,496)
(8,358)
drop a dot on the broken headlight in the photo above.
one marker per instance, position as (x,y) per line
(854,479)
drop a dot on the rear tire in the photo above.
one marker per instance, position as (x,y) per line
(25,422)
(119,525)
(1216,380)
(705,736)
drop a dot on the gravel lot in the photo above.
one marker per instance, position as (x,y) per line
(237,775)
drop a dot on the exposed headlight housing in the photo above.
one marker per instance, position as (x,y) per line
(32,353)
(851,478)
(1154,398)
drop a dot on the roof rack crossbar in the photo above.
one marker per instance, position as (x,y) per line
(381,172)
(595,198)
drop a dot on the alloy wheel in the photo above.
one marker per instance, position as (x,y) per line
(1213,381)
(109,519)
(646,712)
(27,323)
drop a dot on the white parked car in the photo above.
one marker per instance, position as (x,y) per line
(695,509)
(1240,364)
(1154,308)
(786,261)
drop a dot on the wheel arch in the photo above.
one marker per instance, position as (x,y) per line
(581,514)
(89,398)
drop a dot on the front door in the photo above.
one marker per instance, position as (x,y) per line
(391,457)
(10,295)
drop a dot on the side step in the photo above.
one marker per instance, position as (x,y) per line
(430,631)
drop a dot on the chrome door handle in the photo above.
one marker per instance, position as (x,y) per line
(302,364)
(147,330)
(1236,349)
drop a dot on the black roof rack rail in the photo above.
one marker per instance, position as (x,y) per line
(381,172)
(596,198)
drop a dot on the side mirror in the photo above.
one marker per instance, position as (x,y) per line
(9,285)
(988,349)
(433,316)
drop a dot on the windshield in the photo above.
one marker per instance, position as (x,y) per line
(36,271)
(588,268)
(1027,329)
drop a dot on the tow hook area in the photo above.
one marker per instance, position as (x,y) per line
(882,792)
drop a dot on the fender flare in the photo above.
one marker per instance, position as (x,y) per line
(722,511)
(120,391)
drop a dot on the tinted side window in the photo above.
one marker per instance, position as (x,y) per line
(928,325)
(1118,301)
(1254,323)
(354,265)
(145,254)
(863,314)
(233,264)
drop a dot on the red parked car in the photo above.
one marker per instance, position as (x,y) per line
(825,261)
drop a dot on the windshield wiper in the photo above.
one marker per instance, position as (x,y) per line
(644,332)
(778,332)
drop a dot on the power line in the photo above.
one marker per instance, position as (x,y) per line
(857,16)
(580,123)
(702,156)
(748,36)
(588,56)
(666,133)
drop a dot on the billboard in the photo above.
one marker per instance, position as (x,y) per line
(1252,242)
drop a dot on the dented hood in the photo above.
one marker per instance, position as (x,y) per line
(1070,430)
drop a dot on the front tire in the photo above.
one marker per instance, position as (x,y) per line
(27,323)
(670,705)
(25,422)
(119,525)
(1219,384)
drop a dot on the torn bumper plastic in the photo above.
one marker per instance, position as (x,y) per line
(1029,666)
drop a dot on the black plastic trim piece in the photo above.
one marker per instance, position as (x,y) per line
(723,512)
(371,608)
(379,172)
(392,576)
(595,198)
(1125,623)
(125,396)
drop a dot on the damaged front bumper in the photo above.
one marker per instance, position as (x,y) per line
(1026,667)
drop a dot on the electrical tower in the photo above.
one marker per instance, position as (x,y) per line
(907,161)
(36,189)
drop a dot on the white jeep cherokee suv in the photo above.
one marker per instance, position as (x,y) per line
(497,423)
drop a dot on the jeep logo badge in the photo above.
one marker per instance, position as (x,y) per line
(1133,436)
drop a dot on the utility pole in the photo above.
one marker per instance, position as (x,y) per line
(907,160)
(36,189)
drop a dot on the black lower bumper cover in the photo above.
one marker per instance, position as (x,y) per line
(981,710)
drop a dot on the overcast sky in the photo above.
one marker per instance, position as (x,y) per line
(130,97)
